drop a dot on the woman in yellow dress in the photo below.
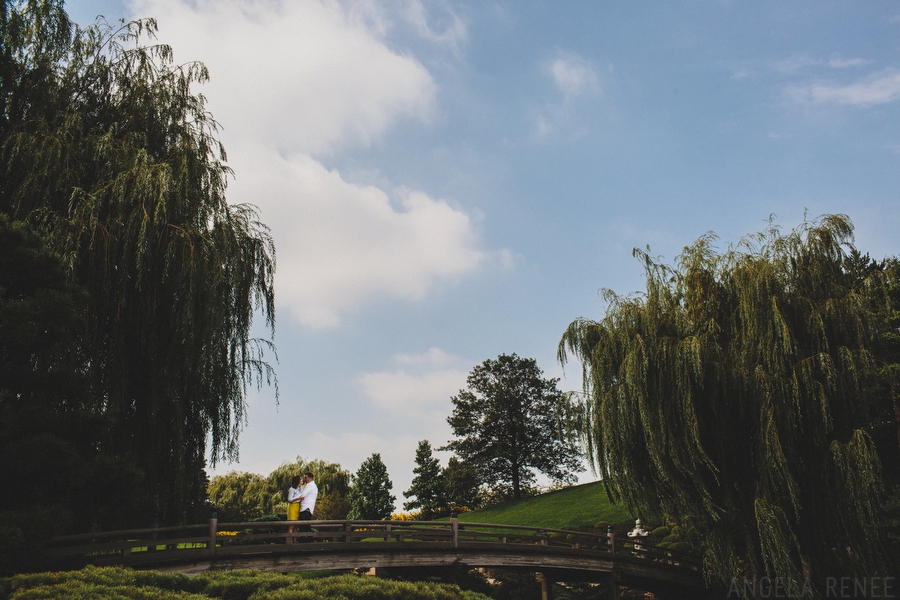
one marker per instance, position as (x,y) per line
(293,499)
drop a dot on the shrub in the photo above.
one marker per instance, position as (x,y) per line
(100,582)
(242,584)
(369,588)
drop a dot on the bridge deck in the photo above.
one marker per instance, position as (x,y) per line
(335,545)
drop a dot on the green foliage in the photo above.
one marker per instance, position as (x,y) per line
(427,491)
(371,588)
(461,484)
(51,428)
(332,480)
(247,496)
(240,496)
(507,426)
(371,497)
(514,585)
(243,584)
(119,583)
(115,162)
(738,395)
(103,582)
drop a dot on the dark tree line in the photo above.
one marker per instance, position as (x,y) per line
(113,181)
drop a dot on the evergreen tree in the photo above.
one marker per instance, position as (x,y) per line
(108,154)
(461,484)
(426,492)
(506,422)
(737,396)
(371,498)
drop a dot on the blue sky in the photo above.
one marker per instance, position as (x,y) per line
(448,181)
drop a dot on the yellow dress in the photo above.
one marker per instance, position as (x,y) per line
(293,507)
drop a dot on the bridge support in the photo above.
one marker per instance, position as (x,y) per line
(612,586)
(545,585)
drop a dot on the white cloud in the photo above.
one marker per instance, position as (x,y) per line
(435,21)
(843,63)
(434,357)
(797,63)
(878,88)
(294,83)
(341,245)
(576,79)
(573,75)
(740,73)
(419,389)
(304,76)
(446,27)
(794,64)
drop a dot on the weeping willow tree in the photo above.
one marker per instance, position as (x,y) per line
(736,396)
(111,156)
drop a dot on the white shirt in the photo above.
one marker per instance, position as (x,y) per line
(308,497)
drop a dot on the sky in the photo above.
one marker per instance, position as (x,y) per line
(447,181)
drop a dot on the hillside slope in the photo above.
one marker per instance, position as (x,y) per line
(569,508)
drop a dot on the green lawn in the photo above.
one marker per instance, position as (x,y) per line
(570,508)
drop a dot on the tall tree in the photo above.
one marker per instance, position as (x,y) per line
(426,491)
(735,396)
(507,426)
(371,498)
(113,159)
(461,484)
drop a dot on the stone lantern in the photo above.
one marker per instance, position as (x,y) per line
(639,534)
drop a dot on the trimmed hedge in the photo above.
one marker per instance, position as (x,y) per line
(117,583)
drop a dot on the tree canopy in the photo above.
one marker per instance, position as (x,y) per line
(739,395)
(242,496)
(371,498)
(115,162)
(461,485)
(506,425)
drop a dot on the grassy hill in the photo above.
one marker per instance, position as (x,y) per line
(569,508)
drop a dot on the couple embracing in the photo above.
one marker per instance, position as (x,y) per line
(302,501)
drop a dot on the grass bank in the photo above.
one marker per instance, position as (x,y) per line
(570,508)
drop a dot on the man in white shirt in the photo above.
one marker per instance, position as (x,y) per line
(307,503)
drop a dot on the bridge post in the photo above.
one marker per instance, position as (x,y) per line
(153,536)
(213,525)
(454,527)
(612,540)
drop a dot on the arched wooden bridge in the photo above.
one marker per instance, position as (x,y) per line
(558,555)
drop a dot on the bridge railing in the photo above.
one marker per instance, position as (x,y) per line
(197,541)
